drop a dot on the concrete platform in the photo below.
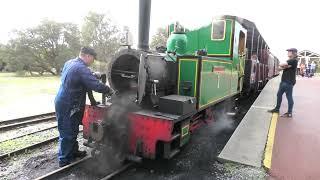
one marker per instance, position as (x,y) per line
(247,144)
(297,140)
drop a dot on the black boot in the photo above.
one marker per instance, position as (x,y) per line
(287,114)
(79,154)
(62,164)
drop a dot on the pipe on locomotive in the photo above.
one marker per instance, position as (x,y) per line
(144,24)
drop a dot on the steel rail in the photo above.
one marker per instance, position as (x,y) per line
(10,121)
(34,132)
(54,174)
(117,171)
(26,148)
(63,169)
(32,146)
(25,122)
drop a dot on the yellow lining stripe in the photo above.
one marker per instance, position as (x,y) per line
(215,100)
(196,76)
(219,61)
(187,132)
(179,77)
(269,147)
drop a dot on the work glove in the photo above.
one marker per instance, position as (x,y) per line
(112,92)
(97,75)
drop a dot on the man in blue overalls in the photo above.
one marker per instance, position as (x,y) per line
(76,81)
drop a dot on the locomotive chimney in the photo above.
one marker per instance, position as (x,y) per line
(144,24)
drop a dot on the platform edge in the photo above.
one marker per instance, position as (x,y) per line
(270,141)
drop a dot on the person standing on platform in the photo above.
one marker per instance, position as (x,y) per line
(309,70)
(313,68)
(288,80)
(302,69)
(76,81)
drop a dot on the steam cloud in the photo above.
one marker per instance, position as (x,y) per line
(116,131)
(223,122)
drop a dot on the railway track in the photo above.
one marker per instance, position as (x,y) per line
(14,123)
(29,147)
(20,129)
(67,170)
(30,133)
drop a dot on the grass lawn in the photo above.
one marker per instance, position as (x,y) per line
(22,96)
(13,88)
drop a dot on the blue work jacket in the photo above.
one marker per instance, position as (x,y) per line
(76,81)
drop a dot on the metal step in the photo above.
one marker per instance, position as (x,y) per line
(175,136)
(134,158)
(173,153)
(231,113)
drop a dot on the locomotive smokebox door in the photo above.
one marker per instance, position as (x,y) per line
(176,104)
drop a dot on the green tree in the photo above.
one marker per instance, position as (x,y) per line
(2,58)
(43,48)
(99,32)
(159,39)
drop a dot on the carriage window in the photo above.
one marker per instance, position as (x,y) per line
(218,30)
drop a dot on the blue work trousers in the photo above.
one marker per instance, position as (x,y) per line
(287,88)
(68,126)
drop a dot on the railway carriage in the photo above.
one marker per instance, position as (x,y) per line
(176,90)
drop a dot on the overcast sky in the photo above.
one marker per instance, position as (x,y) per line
(283,24)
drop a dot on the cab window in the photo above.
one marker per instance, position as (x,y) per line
(218,30)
